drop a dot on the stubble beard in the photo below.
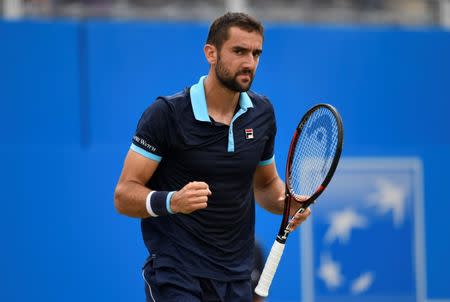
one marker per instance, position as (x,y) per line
(229,81)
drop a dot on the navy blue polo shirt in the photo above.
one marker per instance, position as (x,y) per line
(216,242)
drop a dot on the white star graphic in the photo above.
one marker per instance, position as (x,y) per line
(330,272)
(342,223)
(389,197)
(362,283)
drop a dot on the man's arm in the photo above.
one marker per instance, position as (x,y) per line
(269,188)
(270,193)
(131,193)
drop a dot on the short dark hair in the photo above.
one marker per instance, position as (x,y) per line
(219,29)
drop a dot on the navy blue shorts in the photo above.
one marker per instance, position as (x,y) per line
(165,284)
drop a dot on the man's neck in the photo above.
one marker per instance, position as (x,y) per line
(220,100)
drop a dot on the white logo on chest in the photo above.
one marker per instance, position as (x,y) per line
(249,133)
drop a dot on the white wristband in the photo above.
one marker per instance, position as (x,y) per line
(148,204)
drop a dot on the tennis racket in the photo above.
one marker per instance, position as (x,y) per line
(313,157)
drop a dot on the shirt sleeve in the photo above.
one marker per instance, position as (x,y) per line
(268,155)
(152,132)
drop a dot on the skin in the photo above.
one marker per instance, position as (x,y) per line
(232,69)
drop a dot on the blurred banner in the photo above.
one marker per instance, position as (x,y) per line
(401,12)
(366,240)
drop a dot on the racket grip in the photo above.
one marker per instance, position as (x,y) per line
(262,289)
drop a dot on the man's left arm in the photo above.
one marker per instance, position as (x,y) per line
(270,193)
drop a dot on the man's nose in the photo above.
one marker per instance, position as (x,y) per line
(250,61)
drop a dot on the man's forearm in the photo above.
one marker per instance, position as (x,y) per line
(129,199)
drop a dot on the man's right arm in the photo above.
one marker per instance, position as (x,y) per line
(131,193)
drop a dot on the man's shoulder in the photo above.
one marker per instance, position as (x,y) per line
(171,103)
(167,105)
(176,97)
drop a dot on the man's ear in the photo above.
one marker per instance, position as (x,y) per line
(210,53)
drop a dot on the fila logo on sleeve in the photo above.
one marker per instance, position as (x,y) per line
(249,133)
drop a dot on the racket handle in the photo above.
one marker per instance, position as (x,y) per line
(262,289)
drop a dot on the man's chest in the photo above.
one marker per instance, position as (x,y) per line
(227,150)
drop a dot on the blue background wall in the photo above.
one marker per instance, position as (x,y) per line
(70,97)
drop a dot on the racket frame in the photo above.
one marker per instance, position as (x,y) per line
(285,228)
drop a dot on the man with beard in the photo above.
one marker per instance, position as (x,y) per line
(197,162)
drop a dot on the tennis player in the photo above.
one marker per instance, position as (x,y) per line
(197,162)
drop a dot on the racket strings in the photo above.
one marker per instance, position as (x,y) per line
(313,153)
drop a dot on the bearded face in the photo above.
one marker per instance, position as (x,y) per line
(239,81)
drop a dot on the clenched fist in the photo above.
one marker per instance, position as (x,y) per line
(192,197)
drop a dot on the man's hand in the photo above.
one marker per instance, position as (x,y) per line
(298,219)
(192,197)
